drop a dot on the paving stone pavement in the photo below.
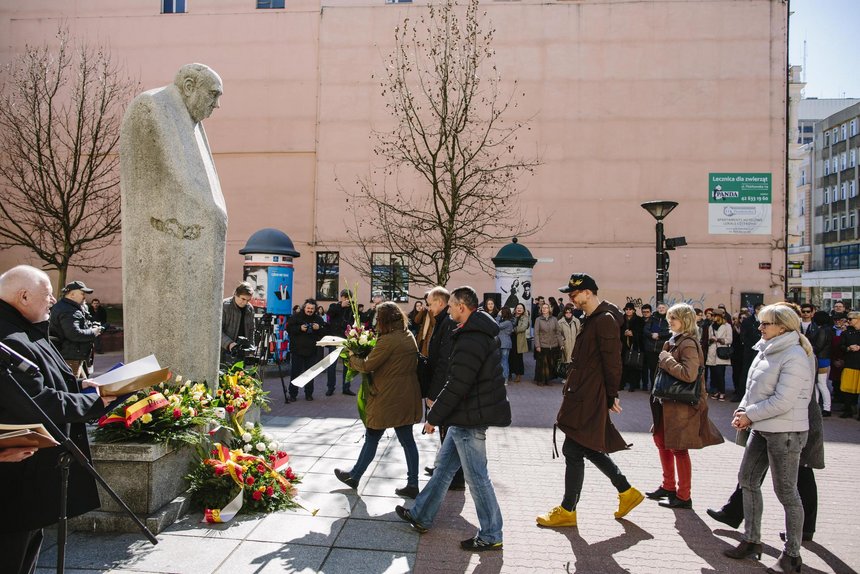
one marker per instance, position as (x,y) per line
(359,532)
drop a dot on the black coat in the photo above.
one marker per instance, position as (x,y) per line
(72,326)
(439,352)
(32,487)
(850,336)
(656,323)
(820,340)
(635,324)
(474,395)
(750,335)
(304,343)
(339,318)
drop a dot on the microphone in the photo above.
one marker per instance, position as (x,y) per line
(10,357)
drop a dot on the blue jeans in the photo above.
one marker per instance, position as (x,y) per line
(506,368)
(368,452)
(466,447)
(781,452)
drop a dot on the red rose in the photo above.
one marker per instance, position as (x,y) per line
(281,454)
(229,408)
(257,495)
(244,406)
(270,491)
(261,468)
(177,413)
(289,473)
(214,452)
(249,481)
(283,488)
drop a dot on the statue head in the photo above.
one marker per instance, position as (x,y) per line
(200,88)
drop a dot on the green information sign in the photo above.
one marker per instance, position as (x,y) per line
(740,188)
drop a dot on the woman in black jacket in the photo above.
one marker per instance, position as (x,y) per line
(821,341)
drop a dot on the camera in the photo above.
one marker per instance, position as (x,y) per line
(309,327)
(244,351)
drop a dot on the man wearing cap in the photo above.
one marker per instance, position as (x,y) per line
(590,394)
(72,329)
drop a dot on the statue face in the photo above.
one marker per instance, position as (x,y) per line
(201,97)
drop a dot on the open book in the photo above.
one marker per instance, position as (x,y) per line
(132,377)
(31,435)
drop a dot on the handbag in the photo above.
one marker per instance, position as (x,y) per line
(561,370)
(634,359)
(724,353)
(667,387)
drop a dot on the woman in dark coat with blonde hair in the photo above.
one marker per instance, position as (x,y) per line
(679,426)
(394,397)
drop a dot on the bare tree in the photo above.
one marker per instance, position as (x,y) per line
(60,114)
(452,138)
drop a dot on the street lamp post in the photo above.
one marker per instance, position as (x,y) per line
(659,210)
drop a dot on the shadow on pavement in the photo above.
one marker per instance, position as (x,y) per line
(598,557)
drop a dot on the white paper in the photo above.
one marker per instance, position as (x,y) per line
(311,373)
(331,341)
(132,370)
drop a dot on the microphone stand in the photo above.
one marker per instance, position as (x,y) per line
(65,460)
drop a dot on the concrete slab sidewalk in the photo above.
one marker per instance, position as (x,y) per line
(358,532)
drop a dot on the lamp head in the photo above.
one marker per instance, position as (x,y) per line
(659,209)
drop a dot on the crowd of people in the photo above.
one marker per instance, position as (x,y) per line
(790,365)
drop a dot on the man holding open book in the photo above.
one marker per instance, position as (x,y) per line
(32,486)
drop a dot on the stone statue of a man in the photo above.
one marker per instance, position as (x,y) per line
(174,226)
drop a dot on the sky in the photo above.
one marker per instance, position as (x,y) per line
(830,28)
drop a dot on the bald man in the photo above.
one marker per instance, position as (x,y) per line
(32,486)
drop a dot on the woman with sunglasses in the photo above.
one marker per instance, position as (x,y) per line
(775,411)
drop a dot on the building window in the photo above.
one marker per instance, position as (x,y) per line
(853,128)
(844,129)
(328,275)
(852,220)
(844,222)
(802,177)
(844,190)
(807,129)
(844,160)
(173,6)
(826,195)
(852,158)
(852,188)
(826,138)
(834,224)
(802,205)
(827,166)
(390,276)
(835,135)
(266,4)
(826,225)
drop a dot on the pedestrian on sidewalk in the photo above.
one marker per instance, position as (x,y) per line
(590,394)
(680,426)
(473,399)
(774,409)
(393,397)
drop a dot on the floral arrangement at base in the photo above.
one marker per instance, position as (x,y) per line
(170,411)
(253,476)
(238,390)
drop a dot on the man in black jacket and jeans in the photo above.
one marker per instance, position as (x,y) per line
(304,328)
(472,399)
(72,328)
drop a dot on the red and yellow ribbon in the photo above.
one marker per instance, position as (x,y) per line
(133,412)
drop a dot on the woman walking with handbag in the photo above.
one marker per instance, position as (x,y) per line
(719,353)
(680,425)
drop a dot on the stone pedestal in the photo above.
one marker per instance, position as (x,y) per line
(150,478)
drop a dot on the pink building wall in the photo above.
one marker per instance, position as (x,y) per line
(629,102)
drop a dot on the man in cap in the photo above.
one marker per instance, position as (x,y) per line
(72,329)
(590,394)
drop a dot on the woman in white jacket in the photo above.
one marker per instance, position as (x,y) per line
(719,337)
(775,410)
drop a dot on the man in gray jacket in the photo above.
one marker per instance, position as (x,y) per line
(237,318)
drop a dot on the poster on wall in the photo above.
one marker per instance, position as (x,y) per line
(515,285)
(740,203)
(257,277)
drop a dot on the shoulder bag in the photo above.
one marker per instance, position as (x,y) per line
(667,387)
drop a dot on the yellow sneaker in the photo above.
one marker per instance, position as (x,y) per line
(627,501)
(558,516)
